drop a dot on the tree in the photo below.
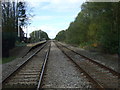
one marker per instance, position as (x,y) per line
(96,25)
(61,36)
(38,35)
(11,11)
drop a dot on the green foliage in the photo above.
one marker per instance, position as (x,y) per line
(6,60)
(96,25)
(61,36)
(19,44)
(11,11)
(38,35)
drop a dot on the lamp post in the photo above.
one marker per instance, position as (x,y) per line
(19,25)
(18,28)
(34,34)
(39,34)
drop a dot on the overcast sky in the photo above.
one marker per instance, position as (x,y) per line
(53,16)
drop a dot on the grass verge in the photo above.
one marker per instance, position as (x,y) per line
(6,60)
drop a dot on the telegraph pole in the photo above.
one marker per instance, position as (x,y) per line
(18,20)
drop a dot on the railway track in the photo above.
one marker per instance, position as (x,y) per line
(62,73)
(30,73)
(102,76)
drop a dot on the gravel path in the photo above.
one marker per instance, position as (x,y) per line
(111,62)
(62,73)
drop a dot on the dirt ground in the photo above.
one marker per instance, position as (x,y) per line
(19,51)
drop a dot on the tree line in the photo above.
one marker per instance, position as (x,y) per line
(38,35)
(96,25)
(14,17)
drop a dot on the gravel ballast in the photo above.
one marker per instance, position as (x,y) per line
(28,75)
(103,59)
(8,68)
(62,73)
(101,75)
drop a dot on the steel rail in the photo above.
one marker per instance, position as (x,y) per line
(91,60)
(43,69)
(33,48)
(25,62)
(98,85)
